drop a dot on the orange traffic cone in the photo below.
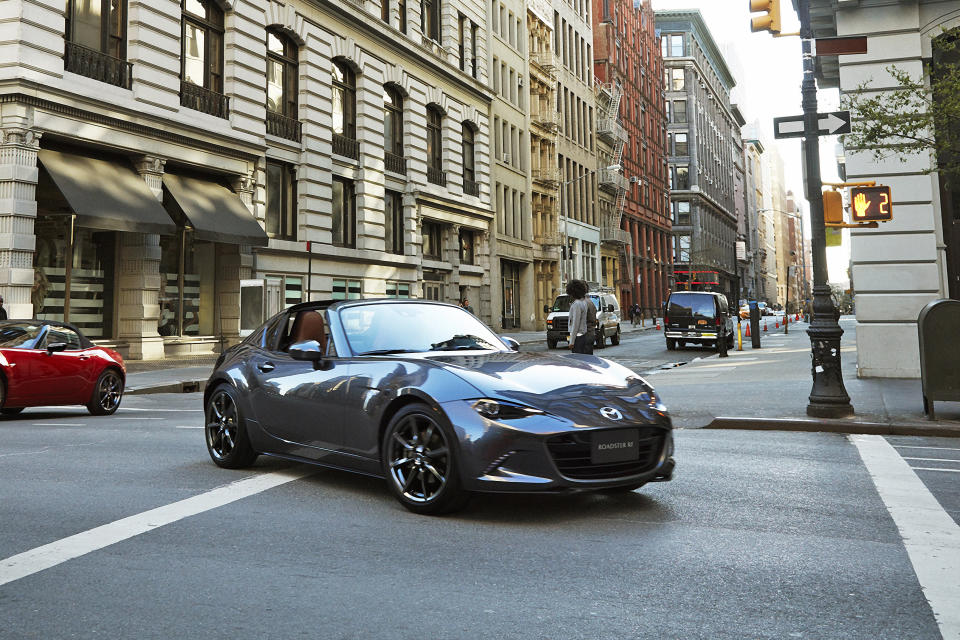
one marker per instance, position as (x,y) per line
(776,324)
(764,326)
(748,331)
(658,325)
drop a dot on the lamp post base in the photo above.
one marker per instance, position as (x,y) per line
(828,398)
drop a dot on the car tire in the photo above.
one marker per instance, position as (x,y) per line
(601,342)
(615,338)
(11,411)
(681,344)
(419,459)
(671,344)
(107,393)
(551,344)
(225,430)
(624,489)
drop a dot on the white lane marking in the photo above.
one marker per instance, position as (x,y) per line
(50,555)
(139,409)
(58,424)
(930,536)
(138,418)
(935,469)
(934,459)
(182,426)
(908,446)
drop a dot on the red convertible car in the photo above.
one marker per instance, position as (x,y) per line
(45,363)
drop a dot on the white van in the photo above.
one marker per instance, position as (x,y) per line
(608,319)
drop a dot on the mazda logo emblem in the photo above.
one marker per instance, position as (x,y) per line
(611,414)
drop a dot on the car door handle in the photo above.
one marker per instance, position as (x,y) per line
(266,366)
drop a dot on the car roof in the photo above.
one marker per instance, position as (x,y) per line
(84,341)
(340,304)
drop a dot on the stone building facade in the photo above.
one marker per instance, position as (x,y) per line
(177,171)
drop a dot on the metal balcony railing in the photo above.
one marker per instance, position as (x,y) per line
(199,99)
(97,65)
(612,180)
(547,119)
(471,187)
(549,176)
(610,130)
(436,176)
(614,236)
(283,127)
(394,163)
(346,147)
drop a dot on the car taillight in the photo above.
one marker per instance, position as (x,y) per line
(666,319)
(718,321)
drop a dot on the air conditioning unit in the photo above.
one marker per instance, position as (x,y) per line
(519,81)
(506,158)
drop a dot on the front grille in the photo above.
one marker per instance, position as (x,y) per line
(560,324)
(571,454)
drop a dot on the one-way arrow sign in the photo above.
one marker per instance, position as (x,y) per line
(828,124)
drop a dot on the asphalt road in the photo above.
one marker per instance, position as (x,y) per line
(760,535)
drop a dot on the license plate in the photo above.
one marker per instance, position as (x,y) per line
(621,445)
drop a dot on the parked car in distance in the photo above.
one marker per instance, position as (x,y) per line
(608,319)
(425,395)
(51,363)
(697,317)
(764,309)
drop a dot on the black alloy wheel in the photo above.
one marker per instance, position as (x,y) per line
(225,432)
(419,461)
(107,393)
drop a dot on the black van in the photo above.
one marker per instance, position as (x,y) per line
(697,317)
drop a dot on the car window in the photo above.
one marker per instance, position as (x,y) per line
(596,301)
(64,335)
(19,336)
(724,307)
(284,331)
(562,304)
(691,304)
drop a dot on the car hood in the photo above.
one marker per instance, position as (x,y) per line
(573,386)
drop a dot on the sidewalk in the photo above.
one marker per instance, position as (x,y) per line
(768,388)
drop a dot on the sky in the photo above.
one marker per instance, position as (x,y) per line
(768,72)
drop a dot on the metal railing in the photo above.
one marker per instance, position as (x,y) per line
(283,127)
(394,163)
(611,179)
(549,176)
(200,99)
(614,236)
(436,176)
(609,129)
(547,119)
(97,65)
(471,187)
(346,147)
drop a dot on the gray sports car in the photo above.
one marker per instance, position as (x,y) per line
(427,396)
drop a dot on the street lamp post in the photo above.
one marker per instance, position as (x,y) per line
(828,397)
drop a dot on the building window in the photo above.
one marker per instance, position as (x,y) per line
(344,213)
(402,10)
(96,47)
(470,184)
(680,144)
(435,146)
(281,213)
(347,290)
(462,40)
(286,291)
(466,246)
(680,111)
(282,92)
(393,222)
(683,249)
(680,178)
(430,19)
(345,111)
(432,240)
(202,55)
(675,79)
(671,45)
(474,34)
(393,130)
(398,290)
(385,11)
(681,212)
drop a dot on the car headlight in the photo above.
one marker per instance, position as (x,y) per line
(499,410)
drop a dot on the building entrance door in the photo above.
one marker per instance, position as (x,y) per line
(510,274)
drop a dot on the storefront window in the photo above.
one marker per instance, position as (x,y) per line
(187,282)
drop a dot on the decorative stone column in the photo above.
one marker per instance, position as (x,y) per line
(227,311)
(139,278)
(453,257)
(18,209)
(244,186)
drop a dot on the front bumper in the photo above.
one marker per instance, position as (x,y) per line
(545,453)
(690,334)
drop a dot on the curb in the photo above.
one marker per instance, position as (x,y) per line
(543,338)
(835,426)
(184,386)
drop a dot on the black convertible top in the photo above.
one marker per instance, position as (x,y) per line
(84,341)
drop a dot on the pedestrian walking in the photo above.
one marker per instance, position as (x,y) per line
(635,314)
(581,338)
(466,305)
(3,312)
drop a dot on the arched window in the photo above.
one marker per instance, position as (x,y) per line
(468,148)
(202,59)
(345,111)
(393,130)
(435,146)
(281,74)
(97,27)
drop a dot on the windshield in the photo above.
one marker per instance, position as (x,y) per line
(562,303)
(691,304)
(415,327)
(19,336)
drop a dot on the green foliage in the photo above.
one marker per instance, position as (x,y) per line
(920,117)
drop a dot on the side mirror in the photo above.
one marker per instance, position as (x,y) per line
(307,350)
(609,308)
(56,346)
(546,308)
(511,343)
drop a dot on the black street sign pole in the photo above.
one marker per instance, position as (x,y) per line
(828,397)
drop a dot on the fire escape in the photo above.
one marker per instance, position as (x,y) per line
(611,178)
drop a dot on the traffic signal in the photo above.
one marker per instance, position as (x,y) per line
(769,22)
(871,204)
(832,207)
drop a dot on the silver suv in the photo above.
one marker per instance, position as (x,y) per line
(608,319)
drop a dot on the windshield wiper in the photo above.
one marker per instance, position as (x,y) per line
(387,352)
(478,343)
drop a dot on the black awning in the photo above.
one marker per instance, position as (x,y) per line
(215,213)
(106,194)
